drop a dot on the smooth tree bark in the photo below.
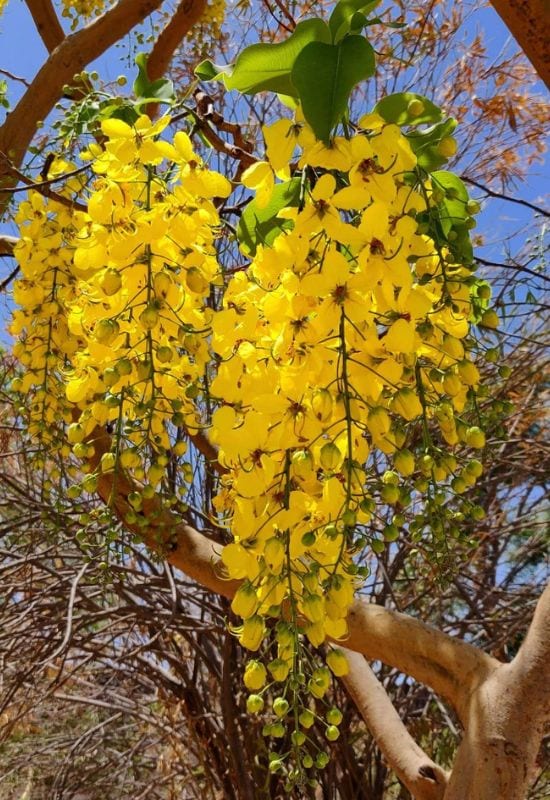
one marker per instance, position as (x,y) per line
(529,22)
(504,708)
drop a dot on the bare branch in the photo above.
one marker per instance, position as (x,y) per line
(72,55)
(13,77)
(43,187)
(423,777)
(517,267)
(47,23)
(448,665)
(501,196)
(528,21)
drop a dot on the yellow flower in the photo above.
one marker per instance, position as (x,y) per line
(252,635)
(260,177)
(281,139)
(128,143)
(406,404)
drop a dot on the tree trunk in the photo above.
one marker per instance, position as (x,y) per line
(508,714)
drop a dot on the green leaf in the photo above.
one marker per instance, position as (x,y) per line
(261,225)
(424,144)
(341,20)
(407,108)
(452,210)
(478,304)
(325,75)
(267,67)
(161,90)
(208,71)
(126,112)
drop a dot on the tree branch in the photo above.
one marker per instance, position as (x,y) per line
(518,267)
(508,716)
(500,196)
(529,21)
(7,243)
(185,16)
(43,187)
(449,666)
(532,662)
(424,779)
(183,546)
(47,23)
(72,55)
(13,274)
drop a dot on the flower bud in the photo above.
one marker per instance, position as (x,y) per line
(252,634)
(378,421)
(245,602)
(406,404)
(330,456)
(338,663)
(404,462)
(255,675)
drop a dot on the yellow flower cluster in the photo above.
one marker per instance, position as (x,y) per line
(43,293)
(347,328)
(209,27)
(114,299)
(77,9)
(347,336)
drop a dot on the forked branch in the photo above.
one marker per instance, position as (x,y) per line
(70,56)
(449,666)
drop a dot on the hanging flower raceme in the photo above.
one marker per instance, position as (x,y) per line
(344,342)
(334,374)
(129,279)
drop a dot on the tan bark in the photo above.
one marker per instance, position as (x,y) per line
(503,707)
(7,243)
(185,15)
(424,779)
(529,22)
(47,23)
(508,715)
(450,666)
(168,41)
(182,545)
